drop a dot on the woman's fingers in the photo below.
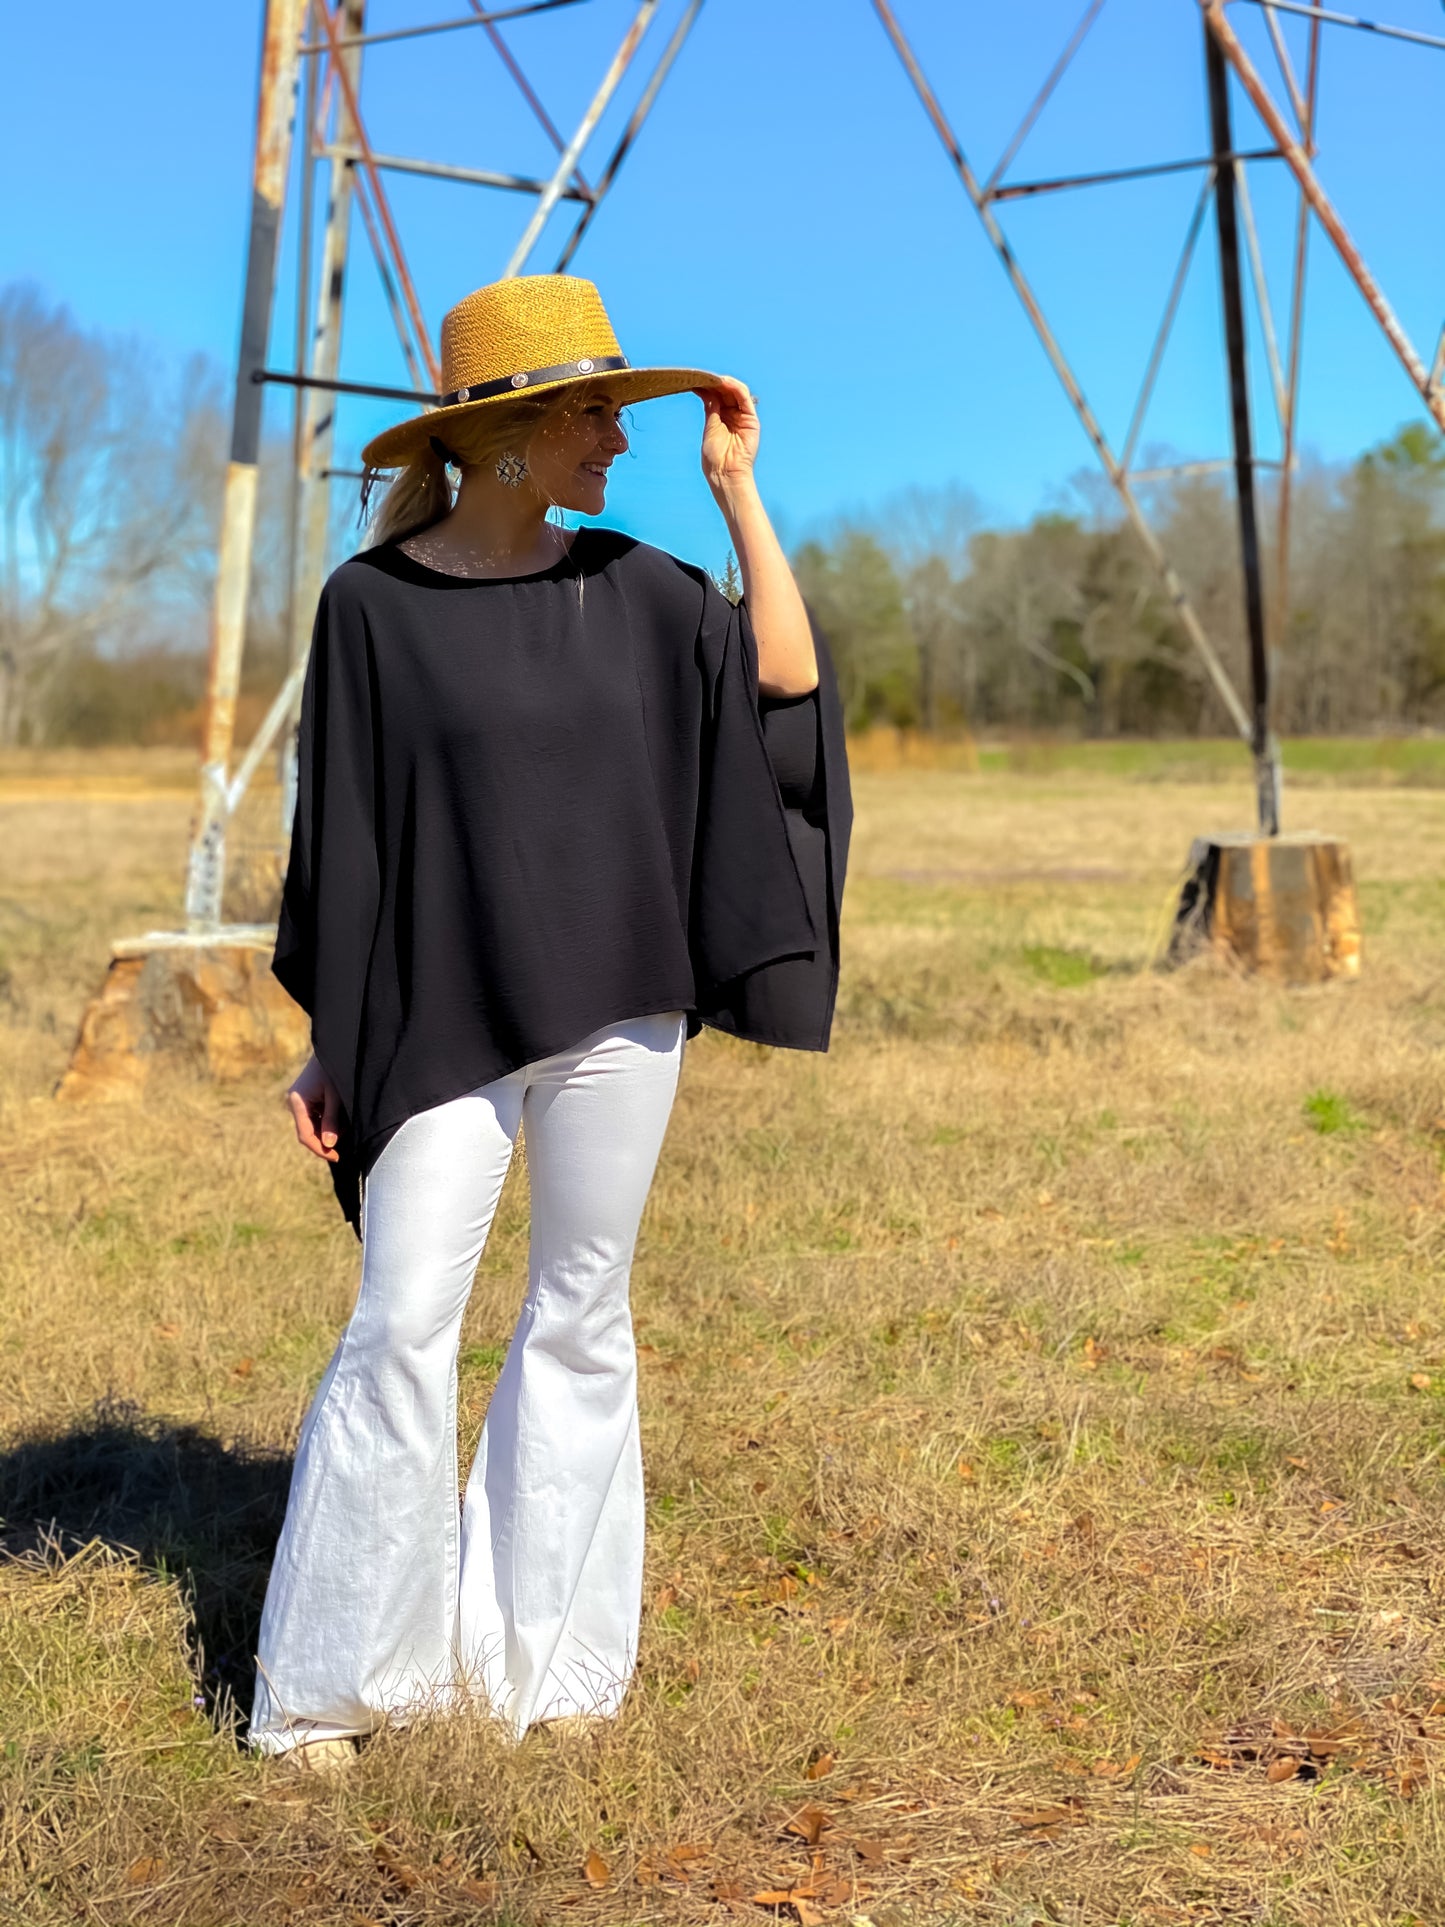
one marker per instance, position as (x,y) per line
(314,1130)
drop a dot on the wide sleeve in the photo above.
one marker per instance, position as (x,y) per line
(331,896)
(783,995)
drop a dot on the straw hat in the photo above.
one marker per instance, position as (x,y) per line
(527,336)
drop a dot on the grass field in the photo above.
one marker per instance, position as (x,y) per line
(1043,1400)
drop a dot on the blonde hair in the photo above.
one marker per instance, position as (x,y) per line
(421,493)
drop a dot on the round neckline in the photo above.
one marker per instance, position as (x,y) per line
(399,554)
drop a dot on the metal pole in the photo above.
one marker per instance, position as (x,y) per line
(307,171)
(1279,625)
(567,162)
(1174,588)
(1266,754)
(275,110)
(313,488)
(378,194)
(1299,165)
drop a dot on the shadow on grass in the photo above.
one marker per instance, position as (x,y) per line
(184,1503)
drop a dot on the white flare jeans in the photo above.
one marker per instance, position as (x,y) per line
(383,1600)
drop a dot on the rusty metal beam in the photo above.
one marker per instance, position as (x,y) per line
(1309,12)
(383,206)
(388,285)
(567,162)
(529,94)
(1261,289)
(1286,67)
(1231,286)
(1300,166)
(442,26)
(1042,97)
(444,171)
(1184,609)
(1166,324)
(275,112)
(1172,471)
(315,394)
(1017,190)
(630,132)
(285,378)
(1279,609)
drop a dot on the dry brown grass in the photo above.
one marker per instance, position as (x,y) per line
(1043,1401)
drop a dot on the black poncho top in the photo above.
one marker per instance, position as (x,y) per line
(531,806)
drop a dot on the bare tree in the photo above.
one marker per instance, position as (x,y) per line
(107,488)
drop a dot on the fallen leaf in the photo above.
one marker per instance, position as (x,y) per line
(820,1767)
(1421,1381)
(484,1892)
(140,1873)
(646,1875)
(690,1850)
(243,1368)
(1070,1814)
(596,1869)
(870,1852)
(401,1871)
(1201,1849)
(798,1899)
(1284,1768)
(666,1596)
(808,1823)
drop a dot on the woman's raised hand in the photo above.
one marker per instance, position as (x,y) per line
(730,434)
(316,1108)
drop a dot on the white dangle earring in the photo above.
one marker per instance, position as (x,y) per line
(511,468)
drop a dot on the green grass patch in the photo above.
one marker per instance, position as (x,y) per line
(1332,1115)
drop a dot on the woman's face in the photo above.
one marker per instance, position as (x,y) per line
(571,453)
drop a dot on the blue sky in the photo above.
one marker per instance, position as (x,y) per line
(788,216)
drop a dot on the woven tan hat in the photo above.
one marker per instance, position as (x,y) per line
(526,336)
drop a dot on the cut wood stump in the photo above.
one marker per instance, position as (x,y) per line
(1281,907)
(215,1011)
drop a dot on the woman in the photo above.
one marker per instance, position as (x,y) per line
(559,804)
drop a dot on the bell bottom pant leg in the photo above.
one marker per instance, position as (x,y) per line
(376,1601)
(552,1527)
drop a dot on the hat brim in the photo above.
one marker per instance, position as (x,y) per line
(394,447)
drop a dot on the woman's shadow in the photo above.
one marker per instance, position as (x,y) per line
(185,1504)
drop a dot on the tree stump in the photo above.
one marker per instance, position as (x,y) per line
(213,1010)
(1281,907)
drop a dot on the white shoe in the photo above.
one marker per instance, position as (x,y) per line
(323,1756)
(573,1722)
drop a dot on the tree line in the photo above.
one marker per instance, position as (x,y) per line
(110,481)
(936,621)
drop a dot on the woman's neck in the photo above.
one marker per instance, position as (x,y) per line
(491,530)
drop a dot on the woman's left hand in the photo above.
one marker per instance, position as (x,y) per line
(730,434)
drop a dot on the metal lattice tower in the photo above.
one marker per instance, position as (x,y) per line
(314,50)
(1225,184)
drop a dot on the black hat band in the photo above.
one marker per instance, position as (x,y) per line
(528,378)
